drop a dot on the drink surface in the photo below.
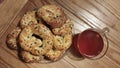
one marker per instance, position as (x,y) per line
(90,43)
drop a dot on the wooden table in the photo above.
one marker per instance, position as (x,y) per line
(84,14)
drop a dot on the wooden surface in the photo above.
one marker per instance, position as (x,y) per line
(84,14)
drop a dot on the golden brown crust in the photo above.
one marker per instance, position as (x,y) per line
(12,38)
(34,45)
(28,19)
(63,36)
(54,55)
(65,29)
(53,15)
(62,41)
(13,44)
(29,58)
(36,39)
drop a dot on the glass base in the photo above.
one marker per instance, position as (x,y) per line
(74,55)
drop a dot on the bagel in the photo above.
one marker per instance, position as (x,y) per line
(12,38)
(28,19)
(52,15)
(35,45)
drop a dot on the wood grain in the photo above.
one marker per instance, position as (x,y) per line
(8,11)
(83,13)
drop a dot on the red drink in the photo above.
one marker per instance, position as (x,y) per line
(89,43)
(75,40)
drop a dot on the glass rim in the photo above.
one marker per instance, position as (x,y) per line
(105,41)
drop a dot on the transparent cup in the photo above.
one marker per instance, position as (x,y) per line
(76,53)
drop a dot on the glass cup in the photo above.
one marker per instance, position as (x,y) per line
(91,43)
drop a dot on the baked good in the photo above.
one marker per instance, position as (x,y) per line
(12,42)
(28,19)
(62,42)
(54,54)
(52,15)
(28,57)
(38,40)
(37,46)
(65,29)
(12,38)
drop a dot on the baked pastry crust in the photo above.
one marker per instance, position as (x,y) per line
(52,15)
(37,40)
(36,46)
(28,57)
(12,38)
(28,19)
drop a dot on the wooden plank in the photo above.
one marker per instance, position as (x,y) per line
(14,62)
(8,11)
(83,13)
(91,20)
(87,13)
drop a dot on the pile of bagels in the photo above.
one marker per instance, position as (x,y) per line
(42,34)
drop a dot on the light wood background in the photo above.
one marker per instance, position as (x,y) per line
(84,14)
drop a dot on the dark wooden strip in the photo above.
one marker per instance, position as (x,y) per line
(106,7)
(9,21)
(4,64)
